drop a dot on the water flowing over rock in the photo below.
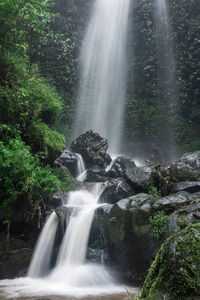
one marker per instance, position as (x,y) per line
(93,148)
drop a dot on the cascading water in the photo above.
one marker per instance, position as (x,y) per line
(81,169)
(101,99)
(41,260)
(71,268)
(167,87)
(71,276)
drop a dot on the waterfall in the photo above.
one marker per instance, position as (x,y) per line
(81,169)
(71,267)
(40,263)
(101,98)
(167,87)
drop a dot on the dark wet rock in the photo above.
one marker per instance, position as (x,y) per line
(127,238)
(12,262)
(119,166)
(15,256)
(96,175)
(172,202)
(187,168)
(188,186)
(140,201)
(57,199)
(93,149)
(143,178)
(115,190)
(62,212)
(95,255)
(67,159)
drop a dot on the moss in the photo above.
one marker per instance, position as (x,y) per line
(176,268)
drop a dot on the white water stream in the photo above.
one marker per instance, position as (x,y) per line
(101,99)
(40,263)
(81,169)
(71,276)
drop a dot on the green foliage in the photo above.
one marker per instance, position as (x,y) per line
(175,270)
(153,190)
(31,106)
(30,112)
(112,219)
(159,109)
(23,179)
(159,224)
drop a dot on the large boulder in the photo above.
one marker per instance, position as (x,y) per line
(67,159)
(15,256)
(132,239)
(93,148)
(188,186)
(144,178)
(119,166)
(115,190)
(172,202)
(127,236)
(175,272)
(186,168)
(96,174)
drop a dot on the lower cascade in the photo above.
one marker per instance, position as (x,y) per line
(71,275)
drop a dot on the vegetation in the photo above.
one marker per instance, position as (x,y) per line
(154,114)
(159,224)
(175,270)
(30,110)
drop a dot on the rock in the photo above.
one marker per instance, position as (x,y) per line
(143,178)
(57,199)
(175,270)
(96,175)
(172,202)
(62,213)
(15,256)
(67,159)
(119,166)
(140,201)
(115,190)
(187,168)
(127,237)
(93,149)
(188,186)
(95,255)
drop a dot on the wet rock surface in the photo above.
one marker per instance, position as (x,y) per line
(15,255)
(119,166)
(93,149)
(115,189)
(186,168)
(143,178)
(188,186)
(67,159)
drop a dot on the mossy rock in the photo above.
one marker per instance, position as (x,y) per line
(176,268)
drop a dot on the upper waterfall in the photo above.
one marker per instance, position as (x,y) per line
(101,98)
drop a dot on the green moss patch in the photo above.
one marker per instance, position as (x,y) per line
(176,268)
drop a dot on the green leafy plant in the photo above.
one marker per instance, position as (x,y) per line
(159,224)
(153,190)
(113,219)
